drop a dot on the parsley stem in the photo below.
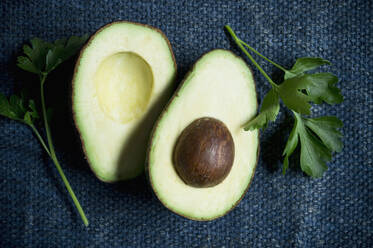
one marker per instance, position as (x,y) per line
(53,153)
(40,139)
(238,42)
(46,125)
(72,194)
(264,57)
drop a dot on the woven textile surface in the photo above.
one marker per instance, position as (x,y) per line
(289,210)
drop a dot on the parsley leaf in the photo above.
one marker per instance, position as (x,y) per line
(318,137)
(297,92)
(291,144)
(34,61)
(313,153)
(320,87)
(268,112)
(16,109)
(292,94)
(43,57)
(304,64)
(326,128)
(31,114)
(27,65)
(62,50)
(5,109)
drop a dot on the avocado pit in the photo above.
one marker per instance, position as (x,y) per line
(204,153)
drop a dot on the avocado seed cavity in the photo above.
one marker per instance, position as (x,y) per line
(124,83)
(204,153)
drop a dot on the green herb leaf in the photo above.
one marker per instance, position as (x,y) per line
(268,112)
(31,114)
(305,64)
(326,128)
(313,153)
(43,57)
(26,64)
(62,51)
(16,108)
(27,118)
(292,94)
(320,87)
(35,60)
(73,45)
(5,107)
(297,92)
(54,58)
(33,111)
(17,105)
(319,137)
(291,144)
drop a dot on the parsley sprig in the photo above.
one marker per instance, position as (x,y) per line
(319,137)
(41,58)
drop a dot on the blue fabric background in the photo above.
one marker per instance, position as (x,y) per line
(277,211)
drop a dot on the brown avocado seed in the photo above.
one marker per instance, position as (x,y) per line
(204,153)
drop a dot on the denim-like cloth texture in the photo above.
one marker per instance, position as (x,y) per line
(289,210)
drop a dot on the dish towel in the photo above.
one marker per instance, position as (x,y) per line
(289,210)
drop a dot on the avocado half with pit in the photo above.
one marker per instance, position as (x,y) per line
(200,160)
(122,80)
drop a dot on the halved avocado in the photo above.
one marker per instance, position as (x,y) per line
(214,101)
(122,80)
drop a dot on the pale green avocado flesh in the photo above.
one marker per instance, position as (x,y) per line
(122,80)
(221,86)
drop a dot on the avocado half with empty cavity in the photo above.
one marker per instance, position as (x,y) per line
(200,160)
(122,80)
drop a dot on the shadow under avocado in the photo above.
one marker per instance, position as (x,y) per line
(58,97)
(273,144)
(138,140)
(140,137)
(141,183)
